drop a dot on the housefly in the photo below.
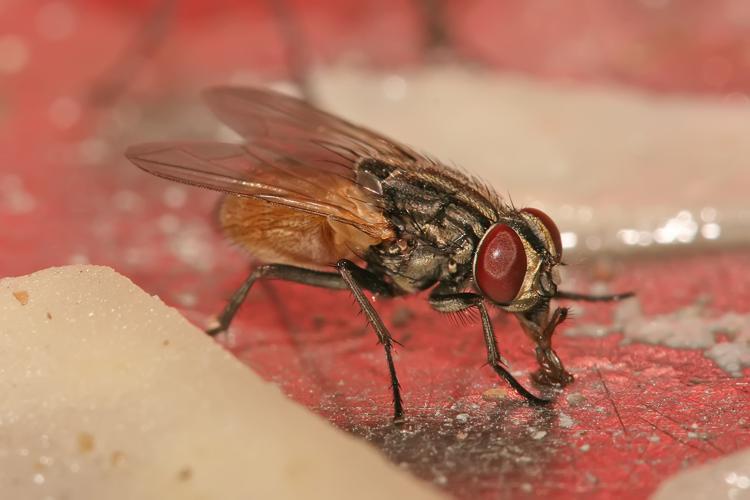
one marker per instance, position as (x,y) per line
(327,203)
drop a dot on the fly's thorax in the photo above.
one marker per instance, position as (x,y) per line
(430,189)
(408,264)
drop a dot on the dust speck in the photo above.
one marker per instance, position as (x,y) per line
(319,321)
(565,420)
(49,315)
(575,399)
(462,418)
(22,296)
(539,435)
(441,480)
(185,474)
(401,316)
(495,394)
(85,442)
(117,458)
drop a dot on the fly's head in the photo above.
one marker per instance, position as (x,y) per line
(515,262)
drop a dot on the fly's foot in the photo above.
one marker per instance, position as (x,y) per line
(217,328)
(551,370)
(399,420)
(552,378)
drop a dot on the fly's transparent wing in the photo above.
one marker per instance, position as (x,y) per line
(278,122)
(249,171)
(295,155)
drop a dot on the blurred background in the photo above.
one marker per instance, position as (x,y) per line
(627,121)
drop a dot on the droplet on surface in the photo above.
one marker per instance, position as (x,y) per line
(126,200)
(92,150)
(13,197)
(175,196)
(14,54)
(56,20)
(64,112)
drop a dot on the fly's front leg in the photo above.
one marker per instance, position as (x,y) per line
(540,327)
(444,299)
(279,272)
(356,279)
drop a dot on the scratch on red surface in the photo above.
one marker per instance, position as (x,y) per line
(672,436)
(612,401)
(682,425)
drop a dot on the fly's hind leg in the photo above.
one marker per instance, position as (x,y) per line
(356,279)
(350,277)
(278,272)
(540,326)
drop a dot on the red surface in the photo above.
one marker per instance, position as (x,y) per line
(58,206)
(646,411)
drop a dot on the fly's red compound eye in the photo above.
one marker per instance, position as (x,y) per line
(550,225)
(500,265)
